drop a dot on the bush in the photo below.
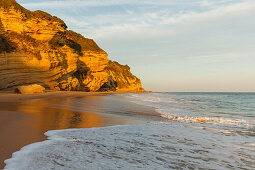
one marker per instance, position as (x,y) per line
(85,43)
(47,16)
(7,4)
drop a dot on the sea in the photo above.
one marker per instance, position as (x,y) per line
(197,131)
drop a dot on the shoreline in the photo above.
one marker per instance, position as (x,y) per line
(26,117)
(10,96)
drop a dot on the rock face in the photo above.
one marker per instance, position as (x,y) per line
(37,48)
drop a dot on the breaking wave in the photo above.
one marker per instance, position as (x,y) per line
(200,131)
(158,145)
(191,110)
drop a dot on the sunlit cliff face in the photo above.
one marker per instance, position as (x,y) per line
(37,48)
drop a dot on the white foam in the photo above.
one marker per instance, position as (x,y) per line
(161,101)
(152,97)
(158,145)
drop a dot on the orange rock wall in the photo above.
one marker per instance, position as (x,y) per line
(60,66)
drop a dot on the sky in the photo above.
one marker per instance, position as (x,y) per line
(171,45)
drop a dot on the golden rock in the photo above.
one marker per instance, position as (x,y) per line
(37,48)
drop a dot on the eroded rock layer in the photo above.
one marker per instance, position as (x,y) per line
(37,48)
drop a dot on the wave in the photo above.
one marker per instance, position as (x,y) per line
(165,104)
(202,119)
(157,145)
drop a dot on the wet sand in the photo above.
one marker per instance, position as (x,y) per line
(25,118)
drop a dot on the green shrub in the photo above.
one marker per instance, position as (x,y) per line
(7,4)
(47,16)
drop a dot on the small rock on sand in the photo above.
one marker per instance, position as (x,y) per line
(30,89)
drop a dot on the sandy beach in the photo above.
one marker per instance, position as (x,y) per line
(25,118)
(10,96)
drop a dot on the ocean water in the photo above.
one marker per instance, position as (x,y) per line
(198,131)
(237,109)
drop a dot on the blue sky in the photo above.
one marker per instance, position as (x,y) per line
(172,45)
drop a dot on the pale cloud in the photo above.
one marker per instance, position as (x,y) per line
(244,8)
(206,3)
(209,25)
(91,3)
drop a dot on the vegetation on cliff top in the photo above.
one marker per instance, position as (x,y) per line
(47,16)
(75,41)
(70,38)
(7,4)
(85,43)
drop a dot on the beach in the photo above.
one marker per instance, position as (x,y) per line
(25,118)
(75,130)
(92,85)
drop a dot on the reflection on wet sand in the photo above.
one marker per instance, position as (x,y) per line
(25,122)
(52,118)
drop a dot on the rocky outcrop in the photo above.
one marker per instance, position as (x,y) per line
(37,48)
(30,89)
(122,76)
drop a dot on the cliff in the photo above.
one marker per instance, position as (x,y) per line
(37,48)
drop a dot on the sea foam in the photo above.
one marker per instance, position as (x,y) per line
(157,145)
(189,109)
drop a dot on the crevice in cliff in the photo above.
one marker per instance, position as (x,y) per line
(6,45)
(108,86)
(81,75)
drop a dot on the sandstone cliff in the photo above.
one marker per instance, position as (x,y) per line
(37,48)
